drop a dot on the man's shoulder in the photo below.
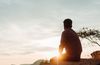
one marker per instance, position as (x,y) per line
(66,32)
(69,31)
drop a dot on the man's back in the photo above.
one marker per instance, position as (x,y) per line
(71,42)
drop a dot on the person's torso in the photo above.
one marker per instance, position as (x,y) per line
(72,42)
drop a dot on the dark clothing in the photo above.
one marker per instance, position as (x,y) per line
(70,41)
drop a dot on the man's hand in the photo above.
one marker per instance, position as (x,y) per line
(60,50)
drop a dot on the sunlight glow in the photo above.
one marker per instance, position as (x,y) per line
(63,51)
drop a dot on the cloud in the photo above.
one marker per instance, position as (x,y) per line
(44,49)
(24,49)
(25,22)
(23,9)
(14,39)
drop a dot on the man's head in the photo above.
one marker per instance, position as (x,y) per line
(67,23)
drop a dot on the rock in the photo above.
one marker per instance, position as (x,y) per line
(82,62)
(96,55)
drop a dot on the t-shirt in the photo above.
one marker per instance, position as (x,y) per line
(70,41)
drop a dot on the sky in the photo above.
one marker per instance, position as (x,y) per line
(31,29)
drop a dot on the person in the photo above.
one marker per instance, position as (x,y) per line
(71,42)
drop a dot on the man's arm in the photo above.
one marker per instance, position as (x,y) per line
(61,46)
(60,49)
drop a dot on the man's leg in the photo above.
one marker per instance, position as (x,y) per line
(73,58)
(65,57)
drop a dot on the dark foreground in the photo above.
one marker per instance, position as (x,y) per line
(82,62)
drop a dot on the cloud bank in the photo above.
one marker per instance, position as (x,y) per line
(25,22)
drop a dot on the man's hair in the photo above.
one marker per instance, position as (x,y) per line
(67,23)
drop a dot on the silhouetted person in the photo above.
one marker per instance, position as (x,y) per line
(70,41)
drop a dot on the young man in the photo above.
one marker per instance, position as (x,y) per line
(70,41)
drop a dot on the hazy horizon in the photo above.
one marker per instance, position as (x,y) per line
(31,29)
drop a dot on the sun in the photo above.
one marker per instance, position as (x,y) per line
(54,53)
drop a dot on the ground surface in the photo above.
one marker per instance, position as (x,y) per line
(82,62)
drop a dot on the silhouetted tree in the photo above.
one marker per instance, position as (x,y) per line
(92,35)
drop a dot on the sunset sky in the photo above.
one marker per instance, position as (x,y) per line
(31,29)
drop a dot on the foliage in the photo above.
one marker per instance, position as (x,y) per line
(92,35)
